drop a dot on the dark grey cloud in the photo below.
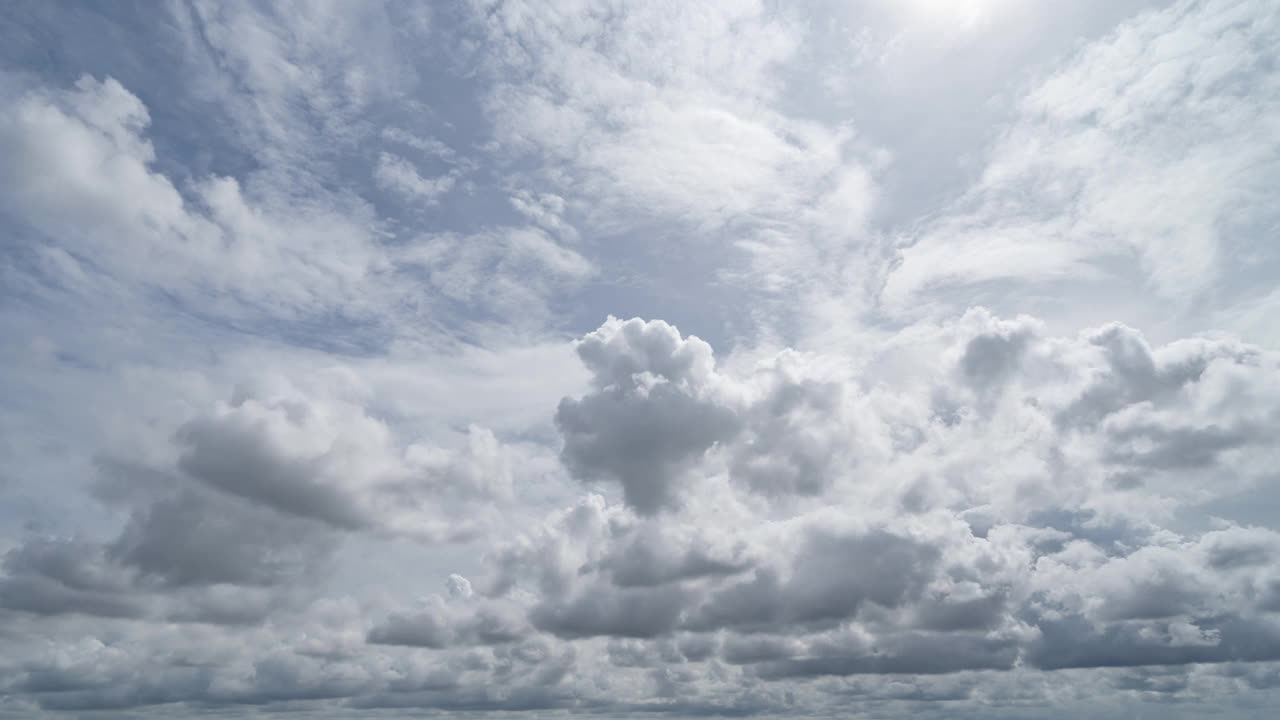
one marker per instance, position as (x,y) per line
(194,538)
(993,356)
(447,625)
(650,415)
(185,557)
(1134,372)
(831,576)
(327,459)
(908,653)
(643,442)
(1157,680)
(659,406)
(53,576)
(749,649)
(617,612)
(420,630)
(699,647)
(238,457)
(653,556)
(184,554)
(1073,642)
(634,653)
(947,613)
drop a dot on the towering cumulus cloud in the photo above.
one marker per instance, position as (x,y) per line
(652,415)
(532,358)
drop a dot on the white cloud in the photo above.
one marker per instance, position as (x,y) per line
(675,118)
(82,175)
(1151,145)
(396,174)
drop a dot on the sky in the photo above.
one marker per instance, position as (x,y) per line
(533,359)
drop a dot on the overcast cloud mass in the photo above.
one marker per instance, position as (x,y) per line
(532,358)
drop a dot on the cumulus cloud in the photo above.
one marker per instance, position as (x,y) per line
(55,576)
(975,580)
(441,624)
(185,557)
(652,414)
(192,538)
(330,461)
(1064,569)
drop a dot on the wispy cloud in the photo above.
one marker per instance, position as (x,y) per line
(1151,147)
(396,174)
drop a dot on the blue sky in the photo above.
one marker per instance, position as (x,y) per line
(880,359)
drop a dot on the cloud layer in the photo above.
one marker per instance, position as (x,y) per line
(521,357)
